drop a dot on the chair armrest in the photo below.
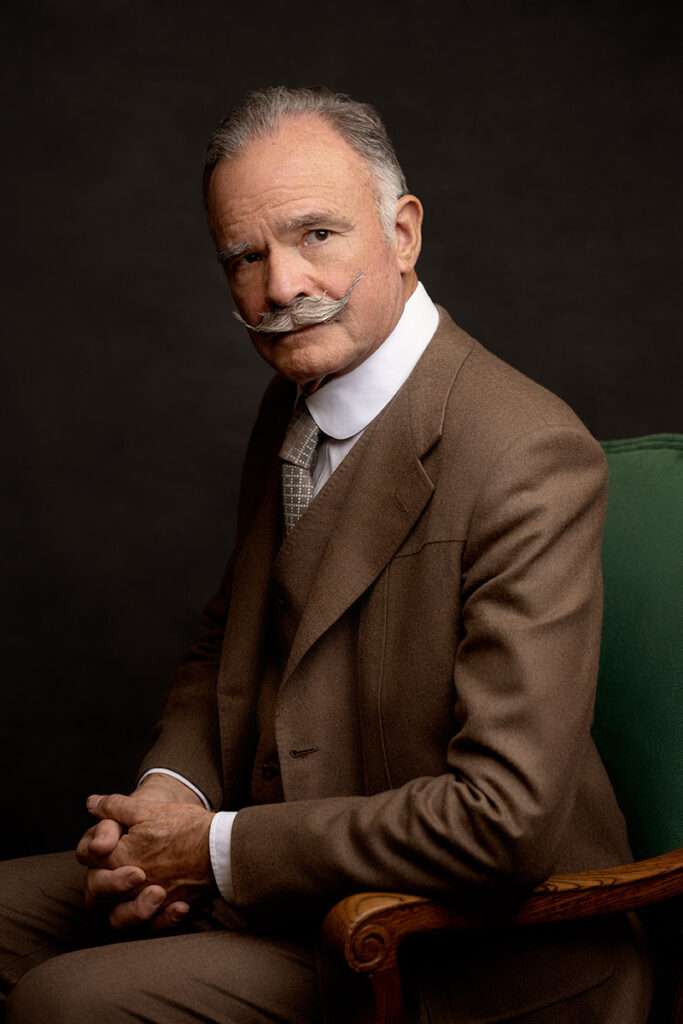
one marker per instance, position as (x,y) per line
(367,928)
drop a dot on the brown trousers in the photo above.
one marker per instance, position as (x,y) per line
(57,965)
(60,966)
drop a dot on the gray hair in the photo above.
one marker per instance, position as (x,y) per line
(359,124)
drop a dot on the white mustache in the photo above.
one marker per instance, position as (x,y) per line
(304,311)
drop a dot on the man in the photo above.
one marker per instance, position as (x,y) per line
(394,685)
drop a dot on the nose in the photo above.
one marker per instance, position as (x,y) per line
(287,276)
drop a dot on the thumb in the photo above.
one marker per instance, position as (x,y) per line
(116,806)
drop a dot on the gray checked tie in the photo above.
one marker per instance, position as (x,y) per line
(298,454)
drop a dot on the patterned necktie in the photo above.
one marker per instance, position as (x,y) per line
(298,453)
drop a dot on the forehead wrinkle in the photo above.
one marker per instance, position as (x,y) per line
(266,202)
(253,194)
(305,163)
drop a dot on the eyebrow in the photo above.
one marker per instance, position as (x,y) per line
(304,220)
(231,251)
(307,220)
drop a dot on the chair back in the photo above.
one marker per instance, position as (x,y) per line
(639,713)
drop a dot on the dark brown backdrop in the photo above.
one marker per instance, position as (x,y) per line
(545,140)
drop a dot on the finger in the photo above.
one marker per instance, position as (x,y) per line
(98,842)
(123,809)
(134,913)
(171,916)
(83,848)
(105,837)
(104,884)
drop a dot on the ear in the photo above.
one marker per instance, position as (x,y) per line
(408,230)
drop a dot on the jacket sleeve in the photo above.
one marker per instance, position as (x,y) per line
(186,738)
(524,676)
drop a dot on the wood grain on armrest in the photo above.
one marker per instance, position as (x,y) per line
(367,928)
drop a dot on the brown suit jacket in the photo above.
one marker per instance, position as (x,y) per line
(456,554)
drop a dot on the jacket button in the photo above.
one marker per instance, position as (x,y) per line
(270,770)
(304,752)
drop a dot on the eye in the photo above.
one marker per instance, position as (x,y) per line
(240,263)
(317,235)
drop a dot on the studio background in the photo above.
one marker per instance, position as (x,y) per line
(545,142)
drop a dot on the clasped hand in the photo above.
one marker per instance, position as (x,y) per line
(148,857)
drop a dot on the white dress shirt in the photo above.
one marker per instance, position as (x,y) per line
(342,408)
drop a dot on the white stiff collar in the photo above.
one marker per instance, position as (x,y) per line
(346,405)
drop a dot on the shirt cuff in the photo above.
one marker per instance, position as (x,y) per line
(180,778)
(219,849)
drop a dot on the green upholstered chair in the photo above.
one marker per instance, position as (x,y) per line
(638,730)
(639,713)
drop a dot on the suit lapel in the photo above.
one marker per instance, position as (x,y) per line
(388,490)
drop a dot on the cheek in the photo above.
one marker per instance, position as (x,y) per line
(334,268)
(247,295)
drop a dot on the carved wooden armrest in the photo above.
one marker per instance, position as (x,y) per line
(367,928)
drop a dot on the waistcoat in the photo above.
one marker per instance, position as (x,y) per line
(294,571)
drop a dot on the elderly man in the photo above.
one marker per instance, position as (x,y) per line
(395,682)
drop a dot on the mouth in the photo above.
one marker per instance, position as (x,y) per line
(297,332)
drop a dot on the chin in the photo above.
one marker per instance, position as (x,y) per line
(302,372)
(304,356)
